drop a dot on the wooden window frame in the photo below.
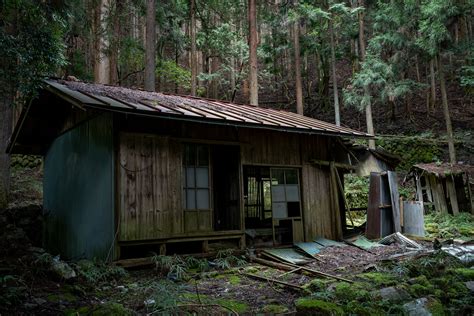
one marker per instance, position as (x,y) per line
(185,188)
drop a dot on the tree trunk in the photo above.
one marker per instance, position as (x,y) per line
(193,48)
(253,42)
(368,108)
(214,88)
(298,85)
(361,30)
(150,47)
(6,108)
(432,84)
(444,99)
(115,43)
(334,75)
(101,61)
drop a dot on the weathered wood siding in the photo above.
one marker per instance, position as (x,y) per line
(148,215)
(150,187)
(272,148)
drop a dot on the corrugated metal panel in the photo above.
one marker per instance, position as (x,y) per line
(79,203)
(191,108)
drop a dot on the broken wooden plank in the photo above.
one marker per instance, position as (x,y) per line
(289,272)
(395,200)
(373,227)
(288,255)
(451,192)
(289,267)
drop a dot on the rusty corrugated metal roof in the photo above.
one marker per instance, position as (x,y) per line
(443,169)
(189,108)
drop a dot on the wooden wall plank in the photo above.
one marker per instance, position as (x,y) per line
(451,190)
(395,200)
(150,187)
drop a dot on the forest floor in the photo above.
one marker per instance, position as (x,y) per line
(31,283)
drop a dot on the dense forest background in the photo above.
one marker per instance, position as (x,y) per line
(401,69)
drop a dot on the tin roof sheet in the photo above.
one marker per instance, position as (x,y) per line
(189,108)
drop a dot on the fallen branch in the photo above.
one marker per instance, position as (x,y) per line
(290,266)
(258,277)
(289,272)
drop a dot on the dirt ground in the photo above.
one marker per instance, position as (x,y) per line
(379,284)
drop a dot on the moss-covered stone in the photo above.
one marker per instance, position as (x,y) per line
(466,274)
(234,280)
(436,308)
(274,309)
(349,292)
(239,307)
(319,307)
(317,285)
(378,278)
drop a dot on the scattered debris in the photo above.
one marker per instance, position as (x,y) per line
(363,243)
(310,248)
(465,253)
(400,239)
(327,242)
(287,255)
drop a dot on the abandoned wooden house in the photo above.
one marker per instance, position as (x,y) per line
(127,169)
(444,187)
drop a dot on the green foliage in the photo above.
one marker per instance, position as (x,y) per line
(433,25)
(31,45)
(225,260)
(163,293)
(444,226)
(357,190)
(173,73)
(412,150)
(99,271)
(178,267)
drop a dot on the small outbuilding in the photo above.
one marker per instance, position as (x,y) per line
(128,170)
(368,160)
(445,187)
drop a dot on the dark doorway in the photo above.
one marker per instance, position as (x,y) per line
(225,178)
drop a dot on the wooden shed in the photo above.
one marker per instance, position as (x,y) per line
(368,160)
(126,169)
(445,187)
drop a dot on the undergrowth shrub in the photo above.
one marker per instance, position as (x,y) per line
(99,271)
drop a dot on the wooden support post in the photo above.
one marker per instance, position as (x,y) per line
(163,250)
(341,188)
(205,246)
(469,193)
